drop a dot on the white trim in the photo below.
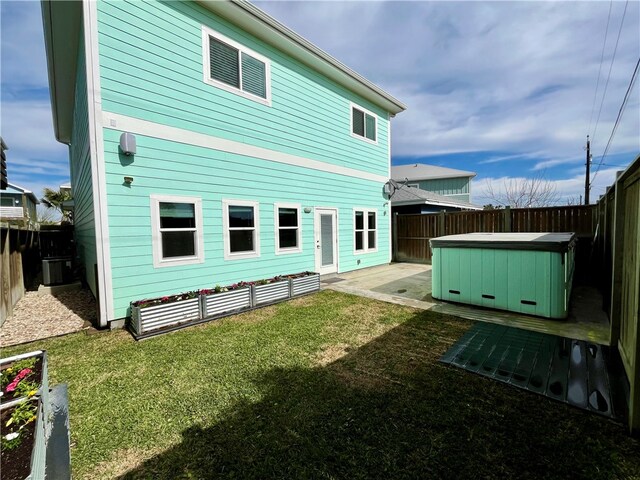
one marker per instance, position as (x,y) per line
(206,66)
(366,112)
(156,238)
(388,210)
(98,174)
(389,145)
(276,222)
(156,130)
(365,230)
(225,229)
(316,237)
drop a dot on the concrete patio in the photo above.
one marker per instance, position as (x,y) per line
(410,284)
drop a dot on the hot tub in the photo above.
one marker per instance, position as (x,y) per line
(527,273)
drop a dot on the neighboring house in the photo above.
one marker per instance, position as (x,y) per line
(256,153)
(18,207)
(434,189)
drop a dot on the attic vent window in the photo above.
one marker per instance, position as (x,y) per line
(235,68)
(363,123)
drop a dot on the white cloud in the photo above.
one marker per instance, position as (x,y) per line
(28,126)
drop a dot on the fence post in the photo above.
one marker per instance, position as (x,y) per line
(507,219)
(441,224)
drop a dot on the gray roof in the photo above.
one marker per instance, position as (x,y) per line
(422,171)
(407,195)
(28,193)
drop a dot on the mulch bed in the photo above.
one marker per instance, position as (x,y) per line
(39,315)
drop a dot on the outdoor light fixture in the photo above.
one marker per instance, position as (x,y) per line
(128,143)
(307,209)
(128,180)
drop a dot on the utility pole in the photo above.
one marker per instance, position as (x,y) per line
(586,177)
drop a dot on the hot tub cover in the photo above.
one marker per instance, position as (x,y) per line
(550,242)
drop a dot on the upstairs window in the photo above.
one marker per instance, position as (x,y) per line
(365,231)
(235,68)
(364,123)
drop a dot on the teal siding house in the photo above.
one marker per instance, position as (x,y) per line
(209,144)
(422,188)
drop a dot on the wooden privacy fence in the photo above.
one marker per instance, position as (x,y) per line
(618,246)
(411,233)
(19,260)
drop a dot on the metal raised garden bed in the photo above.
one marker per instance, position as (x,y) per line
(147,318)
(225,303)
(163,315)
(32,437)
(270,292)
(305,285)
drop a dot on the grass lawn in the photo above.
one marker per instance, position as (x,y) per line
(326,386)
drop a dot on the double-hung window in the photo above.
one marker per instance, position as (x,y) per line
(176,230)
(364,124)
(241,225)
(235,68)
(365,225)
(288,228)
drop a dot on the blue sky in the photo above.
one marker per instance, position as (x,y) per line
(505,89)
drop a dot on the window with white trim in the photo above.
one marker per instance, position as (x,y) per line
(288,228)
(176,230)
(235,68)
(241,225)
(364,124)
(365,225)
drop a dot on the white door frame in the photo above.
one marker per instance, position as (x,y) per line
(316,237)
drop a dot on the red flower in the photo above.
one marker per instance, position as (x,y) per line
(23,373)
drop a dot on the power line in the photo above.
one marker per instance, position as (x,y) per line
(615,125)
(615,49)
(604,43)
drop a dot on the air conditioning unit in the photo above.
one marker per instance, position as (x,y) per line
(56,270)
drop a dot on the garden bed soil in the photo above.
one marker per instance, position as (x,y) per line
(35,376)
(15,464)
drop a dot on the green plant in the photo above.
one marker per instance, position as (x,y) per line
(23,414)
(9,373)
(26,389)
(29,363)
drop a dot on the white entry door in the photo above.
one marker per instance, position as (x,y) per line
(326,238)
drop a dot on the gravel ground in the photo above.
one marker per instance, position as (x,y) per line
(38,316)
